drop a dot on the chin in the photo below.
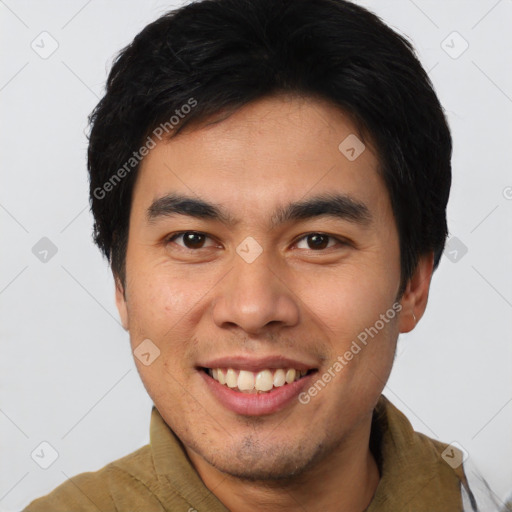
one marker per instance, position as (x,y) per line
(252,462)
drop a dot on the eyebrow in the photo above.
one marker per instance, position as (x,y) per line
(177,204)
(340,206)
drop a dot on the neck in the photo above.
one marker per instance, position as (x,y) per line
(344,480)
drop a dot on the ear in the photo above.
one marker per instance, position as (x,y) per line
(414,299)
(121,304)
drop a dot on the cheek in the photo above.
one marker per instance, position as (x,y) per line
(166,306)
(156,303)
(350,299)
(159,310)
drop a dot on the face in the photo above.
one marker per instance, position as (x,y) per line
(257,254)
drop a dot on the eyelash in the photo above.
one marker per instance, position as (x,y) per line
(339,241)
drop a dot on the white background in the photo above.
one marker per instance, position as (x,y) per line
(66,372)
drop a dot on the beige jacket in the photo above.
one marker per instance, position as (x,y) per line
(418,474)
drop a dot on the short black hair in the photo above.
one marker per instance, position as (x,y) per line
(214,56)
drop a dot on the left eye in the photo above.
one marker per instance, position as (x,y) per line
(191,239)
(317,241)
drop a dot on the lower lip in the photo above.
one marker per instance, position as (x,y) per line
(256,404)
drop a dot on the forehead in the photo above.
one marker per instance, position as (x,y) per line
(270,152)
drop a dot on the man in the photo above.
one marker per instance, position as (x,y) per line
(269,181)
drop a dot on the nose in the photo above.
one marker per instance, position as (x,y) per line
(255,297)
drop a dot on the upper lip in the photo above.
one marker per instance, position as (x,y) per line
(256,364)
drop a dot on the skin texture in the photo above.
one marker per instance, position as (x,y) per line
(293,300)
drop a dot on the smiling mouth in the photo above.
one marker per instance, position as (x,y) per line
(263,381)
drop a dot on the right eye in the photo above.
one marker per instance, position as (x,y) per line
(191,240)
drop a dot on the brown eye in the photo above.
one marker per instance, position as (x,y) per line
(190,239)
(193,240)
(317,241)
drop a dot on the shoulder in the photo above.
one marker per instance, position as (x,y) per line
(425,473)
(399,433)
(130,477)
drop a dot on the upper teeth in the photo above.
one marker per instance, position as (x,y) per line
(263,380)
